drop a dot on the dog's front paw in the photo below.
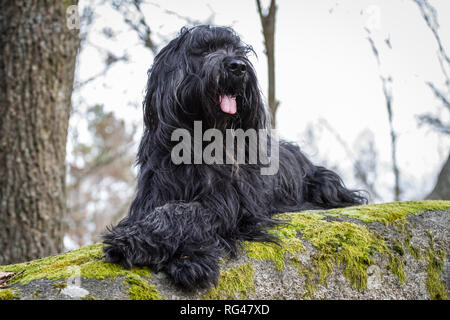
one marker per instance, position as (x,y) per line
(194,272)
(115,254)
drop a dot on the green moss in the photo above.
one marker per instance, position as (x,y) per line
(60,285)
(413,251)
(430,238)
(396,267)
(141,289)
(389,212)
(339,244)
(6,294)
(234,283)
(342,243)
(311,278)
(435,258)
(435,284)
(88,261)
(36,294)
(395,214)
(356,244)
(88,298)
(398,248)
(276,253)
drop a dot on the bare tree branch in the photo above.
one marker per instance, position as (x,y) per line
(360,169)
(386,82)
(429,14)
(434,122)
(268,26)
(438,94)
(188,20)
(138,24)
(110,60)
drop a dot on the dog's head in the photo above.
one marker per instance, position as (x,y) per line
(204,74)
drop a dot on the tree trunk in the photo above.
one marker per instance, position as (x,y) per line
(37,63)
(442,188)
(268,26)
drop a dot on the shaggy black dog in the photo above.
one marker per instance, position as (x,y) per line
(185,216)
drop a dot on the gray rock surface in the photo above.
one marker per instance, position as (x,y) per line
(413,265)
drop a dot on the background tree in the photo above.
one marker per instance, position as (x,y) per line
(442,188)
(100,179)
(37,63)
(268,28)
(363,157)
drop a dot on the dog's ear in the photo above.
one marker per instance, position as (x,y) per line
(164,77)
(160,101)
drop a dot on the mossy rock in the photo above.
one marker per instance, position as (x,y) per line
(395,250)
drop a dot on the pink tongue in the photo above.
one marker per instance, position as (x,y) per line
(228,104)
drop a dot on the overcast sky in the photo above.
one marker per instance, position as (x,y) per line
(325,69)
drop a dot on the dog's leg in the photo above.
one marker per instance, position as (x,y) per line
(176,238)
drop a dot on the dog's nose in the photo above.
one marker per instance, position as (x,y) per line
(237,67)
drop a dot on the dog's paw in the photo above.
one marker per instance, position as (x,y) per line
(193,272)
(114,254)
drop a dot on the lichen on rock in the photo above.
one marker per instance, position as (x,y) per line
(233,283)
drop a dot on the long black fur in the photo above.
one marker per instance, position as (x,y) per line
(186,216)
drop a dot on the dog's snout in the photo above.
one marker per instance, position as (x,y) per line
(237,67)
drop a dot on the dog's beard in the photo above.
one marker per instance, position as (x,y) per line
(232,93)
(226,100)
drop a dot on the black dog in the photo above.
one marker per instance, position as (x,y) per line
(185,216)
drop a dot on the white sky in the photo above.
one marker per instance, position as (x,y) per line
(324,69)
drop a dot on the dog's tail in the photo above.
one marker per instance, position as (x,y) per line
(325,188)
